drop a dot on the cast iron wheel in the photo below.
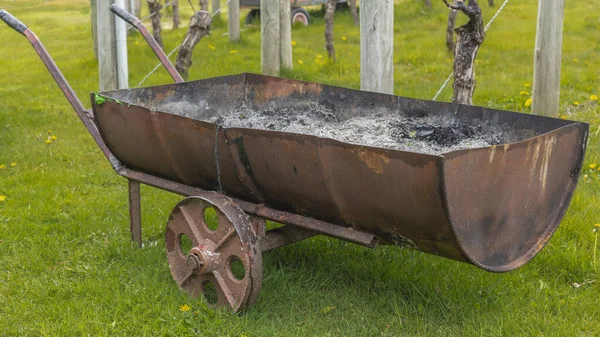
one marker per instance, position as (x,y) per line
(213,250)
(253,15)
(300,15)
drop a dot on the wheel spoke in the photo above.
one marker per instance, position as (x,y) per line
(192,224)
(185,279)
(226,290)
(227,236)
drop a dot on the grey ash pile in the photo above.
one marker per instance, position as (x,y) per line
(393,131)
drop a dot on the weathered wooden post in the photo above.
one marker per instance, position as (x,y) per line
(215,5)
(121,42)
(285,31)
(93,4)
(270,35)
(107,47)
(547,57)
(377,46)
(234,20)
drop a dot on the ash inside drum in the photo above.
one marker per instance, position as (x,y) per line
(381,129)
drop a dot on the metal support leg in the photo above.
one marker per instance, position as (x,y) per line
(135,213)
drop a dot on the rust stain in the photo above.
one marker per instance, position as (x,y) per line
(161,95)
(373,160)
(276,90)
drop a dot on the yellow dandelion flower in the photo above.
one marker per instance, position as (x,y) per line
(210,46)
(13,164)
(597,225)
(48,141)
(137,43)
(49,131)
(528,102)
(300,62)
(594,97)
(524,93)
(233,51)
(184,308)
(527,84)
(576,103)
(575,60)
(344,38)
(2,166)
(2,198)
(319,56)
(293,43)
(593,166)
(53,137)
(563,117)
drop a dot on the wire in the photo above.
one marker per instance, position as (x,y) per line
(175,49)
(485,30)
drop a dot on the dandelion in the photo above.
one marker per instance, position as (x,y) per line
(344,38)
(184,308)
(575,60)
(319,56)
(293,43)
(210,46)
(528,102)
(13,164)
(49,131)
(49,140)
(562,117)
(593,166)
(53,137)
(2,166)
(524,93)
(233,51)
(2,198)
(594,97)
(300,62)
(527,84)
(576,103)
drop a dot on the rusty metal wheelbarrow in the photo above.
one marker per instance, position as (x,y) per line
(494,206)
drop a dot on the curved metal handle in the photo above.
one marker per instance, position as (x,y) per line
(123,14)
(13,22)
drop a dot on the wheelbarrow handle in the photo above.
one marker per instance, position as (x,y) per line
(123,14)
(13,22)
(135,22)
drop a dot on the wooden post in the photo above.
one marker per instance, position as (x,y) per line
(285,32)
(547,57)
(216,4)
(377,46)
(234,20)
(107,46)
(94,26)
(270,35)
(121,42)
(137,10)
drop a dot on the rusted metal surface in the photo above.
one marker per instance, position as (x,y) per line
(410,199)
(321,227)
(283,236)
(135,213)
(216,249)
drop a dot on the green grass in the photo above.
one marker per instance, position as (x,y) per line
(68,268)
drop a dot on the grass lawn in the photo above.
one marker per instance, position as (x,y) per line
(68,268)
